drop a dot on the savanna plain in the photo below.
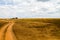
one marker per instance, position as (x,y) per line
(30,29)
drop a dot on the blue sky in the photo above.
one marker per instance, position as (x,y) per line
(30,8)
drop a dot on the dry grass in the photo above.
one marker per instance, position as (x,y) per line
(37,29)
(2,22)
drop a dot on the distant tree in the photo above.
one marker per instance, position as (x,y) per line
(16,17)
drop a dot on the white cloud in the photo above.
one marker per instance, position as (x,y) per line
(31,8)
(43,0)
(7,11)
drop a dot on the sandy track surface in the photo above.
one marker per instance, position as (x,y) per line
(6,32)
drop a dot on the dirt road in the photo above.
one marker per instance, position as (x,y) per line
(6,32)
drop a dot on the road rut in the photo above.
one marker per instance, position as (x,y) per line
(6,32)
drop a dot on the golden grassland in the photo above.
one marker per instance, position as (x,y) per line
(35,29)
(3,22)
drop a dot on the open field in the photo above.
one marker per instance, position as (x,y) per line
(32,29)
(2,23)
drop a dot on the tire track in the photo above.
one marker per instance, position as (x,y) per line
(9,34)
(2,31)
(6,32)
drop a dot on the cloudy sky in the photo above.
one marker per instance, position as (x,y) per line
(30,8)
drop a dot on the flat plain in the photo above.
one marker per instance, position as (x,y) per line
(31,29)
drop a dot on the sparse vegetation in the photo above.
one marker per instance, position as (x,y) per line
(2,23)
(35,29)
